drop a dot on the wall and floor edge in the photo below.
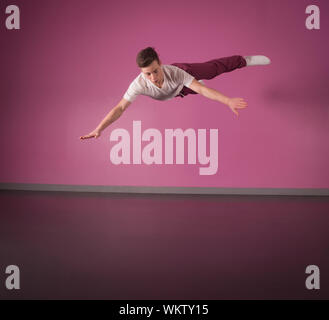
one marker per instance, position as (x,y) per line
(165,190)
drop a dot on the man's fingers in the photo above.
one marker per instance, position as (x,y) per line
(240,103)
(86,137)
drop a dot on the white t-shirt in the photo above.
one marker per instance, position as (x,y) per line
(174,81)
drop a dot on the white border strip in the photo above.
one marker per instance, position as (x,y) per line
(165,190)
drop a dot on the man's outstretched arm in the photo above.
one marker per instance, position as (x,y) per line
(232,103)
(113,115)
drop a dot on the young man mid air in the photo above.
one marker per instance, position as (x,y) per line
(164,82)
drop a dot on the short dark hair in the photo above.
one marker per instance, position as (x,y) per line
(146,56)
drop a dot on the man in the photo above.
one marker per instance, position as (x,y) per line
(164,82)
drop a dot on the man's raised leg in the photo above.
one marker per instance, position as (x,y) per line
(211,69)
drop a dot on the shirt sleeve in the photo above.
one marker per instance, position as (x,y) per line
(186,78)
(132,92)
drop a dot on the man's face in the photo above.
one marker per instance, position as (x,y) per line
(154,72)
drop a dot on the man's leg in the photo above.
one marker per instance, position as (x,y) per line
(210,69)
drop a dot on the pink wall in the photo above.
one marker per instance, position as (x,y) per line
(72,61)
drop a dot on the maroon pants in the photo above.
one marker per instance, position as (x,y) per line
(210,69)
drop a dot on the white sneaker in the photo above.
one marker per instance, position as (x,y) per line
(257,60)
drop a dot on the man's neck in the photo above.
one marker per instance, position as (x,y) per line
(161,84)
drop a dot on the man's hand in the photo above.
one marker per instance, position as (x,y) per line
(113,115)
(94,134)
(237,103)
